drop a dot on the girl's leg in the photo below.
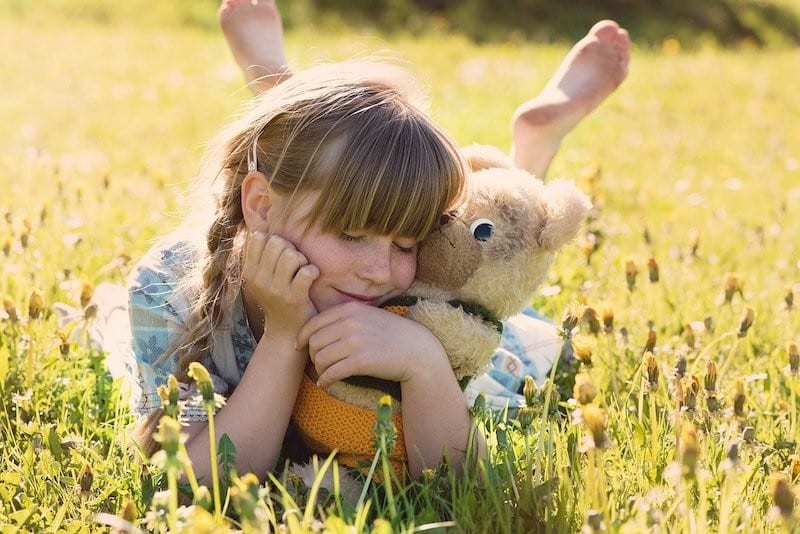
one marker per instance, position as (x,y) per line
(594,67)
(254,32)
(591,71)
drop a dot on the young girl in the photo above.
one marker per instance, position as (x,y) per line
(323,191)
(590,72)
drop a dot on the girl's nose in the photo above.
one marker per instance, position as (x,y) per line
(377,265)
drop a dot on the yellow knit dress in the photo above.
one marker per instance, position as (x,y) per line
(327,424)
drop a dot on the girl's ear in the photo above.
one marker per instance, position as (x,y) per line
(256,201)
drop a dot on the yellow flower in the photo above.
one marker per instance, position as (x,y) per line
(582,348)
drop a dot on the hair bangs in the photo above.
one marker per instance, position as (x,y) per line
(393,176)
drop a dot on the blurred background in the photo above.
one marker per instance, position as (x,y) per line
(692,23)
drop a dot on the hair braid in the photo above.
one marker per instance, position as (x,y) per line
(220,279)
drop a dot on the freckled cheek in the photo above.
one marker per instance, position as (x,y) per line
(405,269)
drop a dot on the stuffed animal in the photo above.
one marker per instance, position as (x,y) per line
(482,265)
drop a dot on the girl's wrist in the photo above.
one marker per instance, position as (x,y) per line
(276,342)
(430,368)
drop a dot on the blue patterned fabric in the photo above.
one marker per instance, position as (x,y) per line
(529,346)
(158,305)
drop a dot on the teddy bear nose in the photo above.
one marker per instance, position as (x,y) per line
(445,218)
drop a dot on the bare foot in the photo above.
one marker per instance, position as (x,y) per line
(254,31)
(594,67)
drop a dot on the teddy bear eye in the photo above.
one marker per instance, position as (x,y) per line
(482,229)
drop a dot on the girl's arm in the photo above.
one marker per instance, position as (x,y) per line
(355,339)
(276,281)
(257,413)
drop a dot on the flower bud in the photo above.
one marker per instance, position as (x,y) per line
(569,323)
(202,378)
(87,291)
(794,358)
(384,426)
(680,366)
(688,449)
(747,321)
(86,478)
(169,435)
(794,467)
(525,416)
(651,366)
(650,345)
(652,270)
(608,319)
(584,391)
(710,380)
(594,419)
(63,344)
(631,271)
(169,396)
(590,321)
(782,496)
(11,310)
(529,390)
(732,285)
(738,398)
(35,304)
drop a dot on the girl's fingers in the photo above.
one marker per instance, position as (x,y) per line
(334,363)
(305,277)
(255,248)
(322,345)
(288,265)
(273,250)
(322,320)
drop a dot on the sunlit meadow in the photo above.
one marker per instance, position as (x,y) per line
(683,288)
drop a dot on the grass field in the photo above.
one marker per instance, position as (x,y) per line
(694,166)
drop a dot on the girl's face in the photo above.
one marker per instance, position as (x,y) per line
(360,267)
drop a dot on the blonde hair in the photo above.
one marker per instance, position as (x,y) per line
(350,131)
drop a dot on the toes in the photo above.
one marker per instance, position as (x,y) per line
(605,30)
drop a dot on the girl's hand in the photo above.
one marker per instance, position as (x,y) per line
(356,339)
(277,277)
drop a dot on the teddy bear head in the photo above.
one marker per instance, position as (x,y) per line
(496,248)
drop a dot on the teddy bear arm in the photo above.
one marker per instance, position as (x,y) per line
(468,340)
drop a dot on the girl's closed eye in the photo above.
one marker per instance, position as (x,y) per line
(406,248)
(350,238)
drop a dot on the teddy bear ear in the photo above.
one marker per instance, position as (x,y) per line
(480,157)
(565,207)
